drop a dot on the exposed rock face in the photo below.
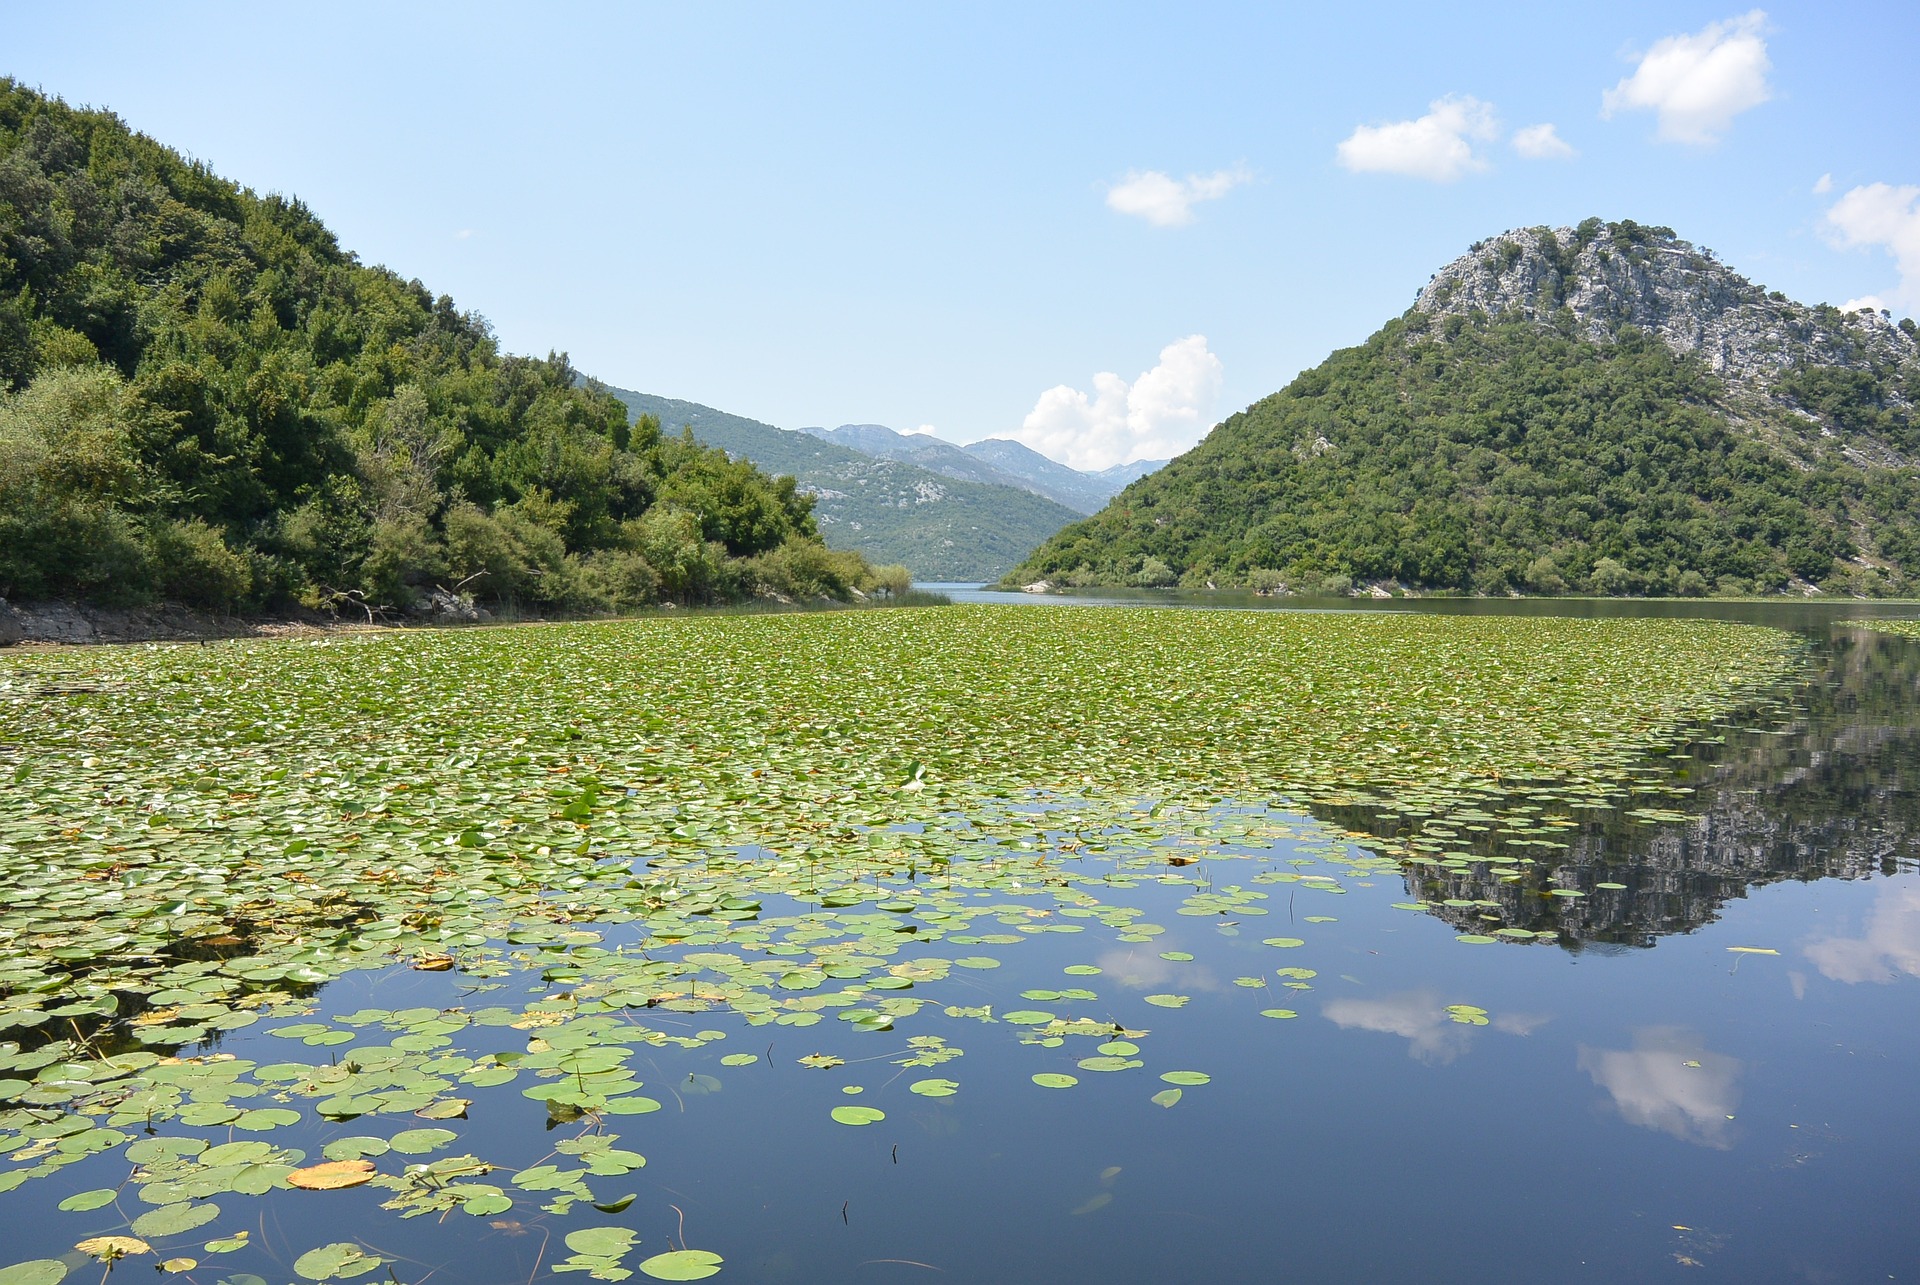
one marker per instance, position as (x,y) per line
(1609,275)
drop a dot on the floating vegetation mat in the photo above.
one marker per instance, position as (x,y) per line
(1898,628)
(590,845)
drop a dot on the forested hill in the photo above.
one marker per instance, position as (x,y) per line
(1603,409)
(892,511)
(204,398)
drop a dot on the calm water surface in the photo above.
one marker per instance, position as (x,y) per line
(1643,1102)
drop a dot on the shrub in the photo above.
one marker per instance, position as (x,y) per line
(194,565)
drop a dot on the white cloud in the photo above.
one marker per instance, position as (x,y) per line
(1699,83)
(1542,143)
(1168,202)
(1670,1082)
(1823,185)
(1889,949)
(1881,216)
(463,234)
(1160,414)
(1418,1017)
(1437,146)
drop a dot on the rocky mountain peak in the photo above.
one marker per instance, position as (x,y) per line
(1600,277)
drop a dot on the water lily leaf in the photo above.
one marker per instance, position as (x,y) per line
(338,1261)
(682,1265)
(616,1206)
(417,1142)
(934,1088)
(334,1175)
(1188,1078)
(1168,1001)
(108,1248)
(355,1148)
(1055,1080)
(1166,1097)
(739,1059)
(601,1242)
(1281,1013)
(1752,950)
(171,1220)
(858,1115)
(89,1199)
(39,1271)
(175,1265)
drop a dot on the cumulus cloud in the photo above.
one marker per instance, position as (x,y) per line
(1889,949)
(1419,1018)
(1670,1082)
(1437,146)
(1160,414)
(1823,185)
(1880,216)
(1167,202)
(1698,83)
(1542,143)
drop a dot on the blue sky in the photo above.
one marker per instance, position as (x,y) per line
(958,216)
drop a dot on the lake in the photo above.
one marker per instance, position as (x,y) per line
(1477,943)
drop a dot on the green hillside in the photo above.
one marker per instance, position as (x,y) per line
(1496,447)
(204,398)
(940,528)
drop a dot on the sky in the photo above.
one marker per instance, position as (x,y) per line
(1095,228)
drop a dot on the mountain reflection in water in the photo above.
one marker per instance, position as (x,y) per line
(1826,791)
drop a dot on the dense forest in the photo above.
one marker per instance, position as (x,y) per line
(204,399)
(1513,457)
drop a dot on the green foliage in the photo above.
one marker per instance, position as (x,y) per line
(203,398)
(1510,458)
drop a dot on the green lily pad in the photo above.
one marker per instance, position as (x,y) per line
(338,1261)
(934,1088)
(858,1115)
(1188,1078)
(171,1220)
(682,1265)
(39,1271)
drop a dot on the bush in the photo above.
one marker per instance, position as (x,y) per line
(807,569)
(1155,574)
(890,580)
(1543,576)
(194,565)
(1266,580)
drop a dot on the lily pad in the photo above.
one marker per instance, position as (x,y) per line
(682,1265)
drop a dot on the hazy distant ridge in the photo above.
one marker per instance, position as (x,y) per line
(996,460)
(939,524)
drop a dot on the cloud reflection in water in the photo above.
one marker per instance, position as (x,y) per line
(1670,1082)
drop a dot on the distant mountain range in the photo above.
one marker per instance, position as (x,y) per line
(996,460)
(945,512)
(1603,409)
